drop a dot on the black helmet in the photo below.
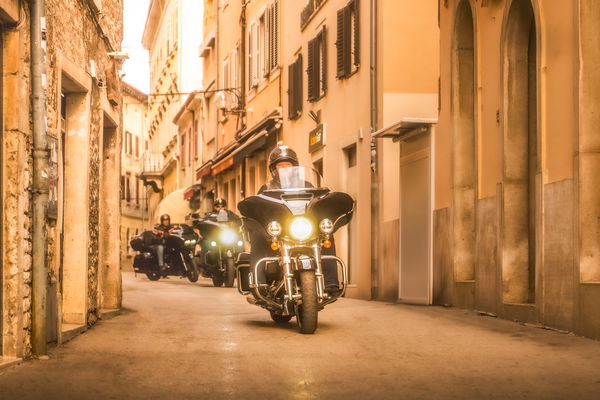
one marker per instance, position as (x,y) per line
(220,202)
(165,217)
(282,154)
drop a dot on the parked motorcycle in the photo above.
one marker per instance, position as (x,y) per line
(300,219)
(222,243)
(179,244)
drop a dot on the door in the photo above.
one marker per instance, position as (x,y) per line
(415,221)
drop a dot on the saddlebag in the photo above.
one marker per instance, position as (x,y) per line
(137,243)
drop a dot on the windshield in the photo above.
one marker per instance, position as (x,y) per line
(289,178)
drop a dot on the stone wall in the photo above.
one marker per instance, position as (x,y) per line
(16,223)
(78,34)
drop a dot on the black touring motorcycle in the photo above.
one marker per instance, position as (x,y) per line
(222,242)
(179,248)
(300,220)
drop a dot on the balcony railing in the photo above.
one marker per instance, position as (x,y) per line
(152,162)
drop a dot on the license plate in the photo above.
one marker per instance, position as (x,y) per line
(305,263)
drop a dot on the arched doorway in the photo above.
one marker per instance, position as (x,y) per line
(521,154)
(464,160)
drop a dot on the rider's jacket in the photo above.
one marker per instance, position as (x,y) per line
(231,216)
(163,228)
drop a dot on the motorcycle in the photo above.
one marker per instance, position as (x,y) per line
(222,243)
(179,244)
(300,219)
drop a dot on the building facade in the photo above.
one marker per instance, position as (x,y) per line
(77,227)
(172,34)
(516,205)
(134,202)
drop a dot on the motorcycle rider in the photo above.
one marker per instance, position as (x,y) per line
(162,230)
(284,157)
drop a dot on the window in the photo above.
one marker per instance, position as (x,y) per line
(226,74)
(128,188)
(137,190)
(295,88)
(351,155)
(347,43)
(128,143)
(317,66)
(272,37)
(122,187)
(263,44)
(182,150)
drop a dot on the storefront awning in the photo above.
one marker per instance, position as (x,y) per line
(191,192)
(203,171)
(250,146)
(222,165)
(405,128)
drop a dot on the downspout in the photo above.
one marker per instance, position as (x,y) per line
(217,83)
(242,59)
(40,179)
(374,153)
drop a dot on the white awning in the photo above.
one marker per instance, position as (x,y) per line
(174,205)
(405,128)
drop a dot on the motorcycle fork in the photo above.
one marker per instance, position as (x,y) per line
(288,274)
(319,272)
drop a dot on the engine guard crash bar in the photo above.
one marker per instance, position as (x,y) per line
(322,301)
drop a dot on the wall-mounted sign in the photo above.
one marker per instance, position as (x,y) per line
(316,138)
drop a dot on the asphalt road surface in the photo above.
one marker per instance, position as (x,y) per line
(178,340)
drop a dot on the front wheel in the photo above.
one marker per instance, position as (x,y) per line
(153,276)
(230,273)
(192,273)
(218,279)
(307,311)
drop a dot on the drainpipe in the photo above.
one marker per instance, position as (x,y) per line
(40,178)
(242,60)
(374,154)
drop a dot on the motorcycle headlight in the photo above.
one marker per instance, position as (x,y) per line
(301,228)
(326,226)
(227,236)
(274,228)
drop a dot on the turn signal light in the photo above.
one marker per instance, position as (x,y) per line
(327,244)
(275,246)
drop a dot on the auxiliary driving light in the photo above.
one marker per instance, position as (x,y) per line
(228,236)
(326,226)
(213,243)
(274,228)
(301,228)
(240,243)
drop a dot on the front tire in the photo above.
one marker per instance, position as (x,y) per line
(230,273)
(307,311)
(193,273)
(153,276)
(217,280)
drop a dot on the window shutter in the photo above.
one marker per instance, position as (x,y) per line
(291,91)
(347,43)
(267,25)
(275,35)
(310,70)
(250,56)
(323,59)
(298,86)
(356,32)
(339,44)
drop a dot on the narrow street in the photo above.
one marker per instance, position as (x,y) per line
(177,340)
